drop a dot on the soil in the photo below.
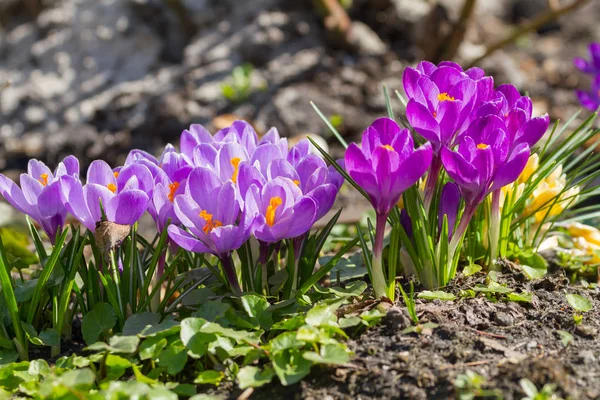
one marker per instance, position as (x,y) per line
(502,341)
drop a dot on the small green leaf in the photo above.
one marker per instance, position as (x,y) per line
(565,337)
(116,366)
(152,347)
(529,388)
(290,366)
(100,319)
(174,358)
(523,297)
(141,377)
(250,376)
(493,287)
(372,317)
(209,377)
(49,337)
(257,308)
(322,314)
(579,303)
(124,344)
(80,379)
(286,340)
(331,353)
(39,367)
(437,295)
(348,322)
(471,269)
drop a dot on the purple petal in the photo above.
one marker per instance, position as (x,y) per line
(423,122)
(100,173)
(72,196)
(14,195)
(186,241)
(127,207)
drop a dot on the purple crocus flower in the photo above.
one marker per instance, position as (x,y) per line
(592,66)
(39,194)
(484,160)
(385,166)
(211,212)
(124,194)
(283,211)
(516,112)
(590,99)
(441,99)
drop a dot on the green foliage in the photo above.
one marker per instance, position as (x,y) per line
(471,385)
(174,357)
(239,87)
(532,393)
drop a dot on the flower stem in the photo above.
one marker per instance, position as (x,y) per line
(229,269)
(495,219)
(457,240)
(431,182)
(377,275)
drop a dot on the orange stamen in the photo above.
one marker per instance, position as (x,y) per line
(482,146)
(434,114)
(44,179)
(172,189)
(235,161)
(445,97)
(210,224)
(116,174)
(112,187)
(271,209)
(387,146)
(296,182)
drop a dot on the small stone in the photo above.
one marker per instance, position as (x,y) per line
(503,319)
(365,40)
(587,357)
(586,331)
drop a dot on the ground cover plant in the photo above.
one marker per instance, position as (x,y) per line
(232,291)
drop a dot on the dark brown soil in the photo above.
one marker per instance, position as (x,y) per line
(502,341)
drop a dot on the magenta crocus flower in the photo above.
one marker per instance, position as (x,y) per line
(211,212)
(593,65)
(590,99)
(124,194)
(385,166)
(283,211)
(39,194)
(441,100)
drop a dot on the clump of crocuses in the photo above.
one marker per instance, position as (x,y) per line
(477,140)
(215,195)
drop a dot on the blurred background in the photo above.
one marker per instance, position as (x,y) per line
(96,78)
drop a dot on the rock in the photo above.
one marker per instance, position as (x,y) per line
(365,40)
(398,318)
(588,331)
(503,319)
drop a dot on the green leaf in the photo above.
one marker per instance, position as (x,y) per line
(289,324)
(173,358)
(523,297)
(322,314)
(39,367)
(49,337)
(257,308)
(80,379)
(290,366)
(348,322)
(287,340)
(209,377)
(579,303)
(212,310)
(100,319)
(565,337)
(250,376)
(124,344)
(24,290)
(331,353)
(17,245)
(493,287)
(534,265)
(152,347)
(436,295)
(141,377)
(471,269)
(31,333)
(372,317)
(352,290)
(137,323)
(116,366)
(529,388)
